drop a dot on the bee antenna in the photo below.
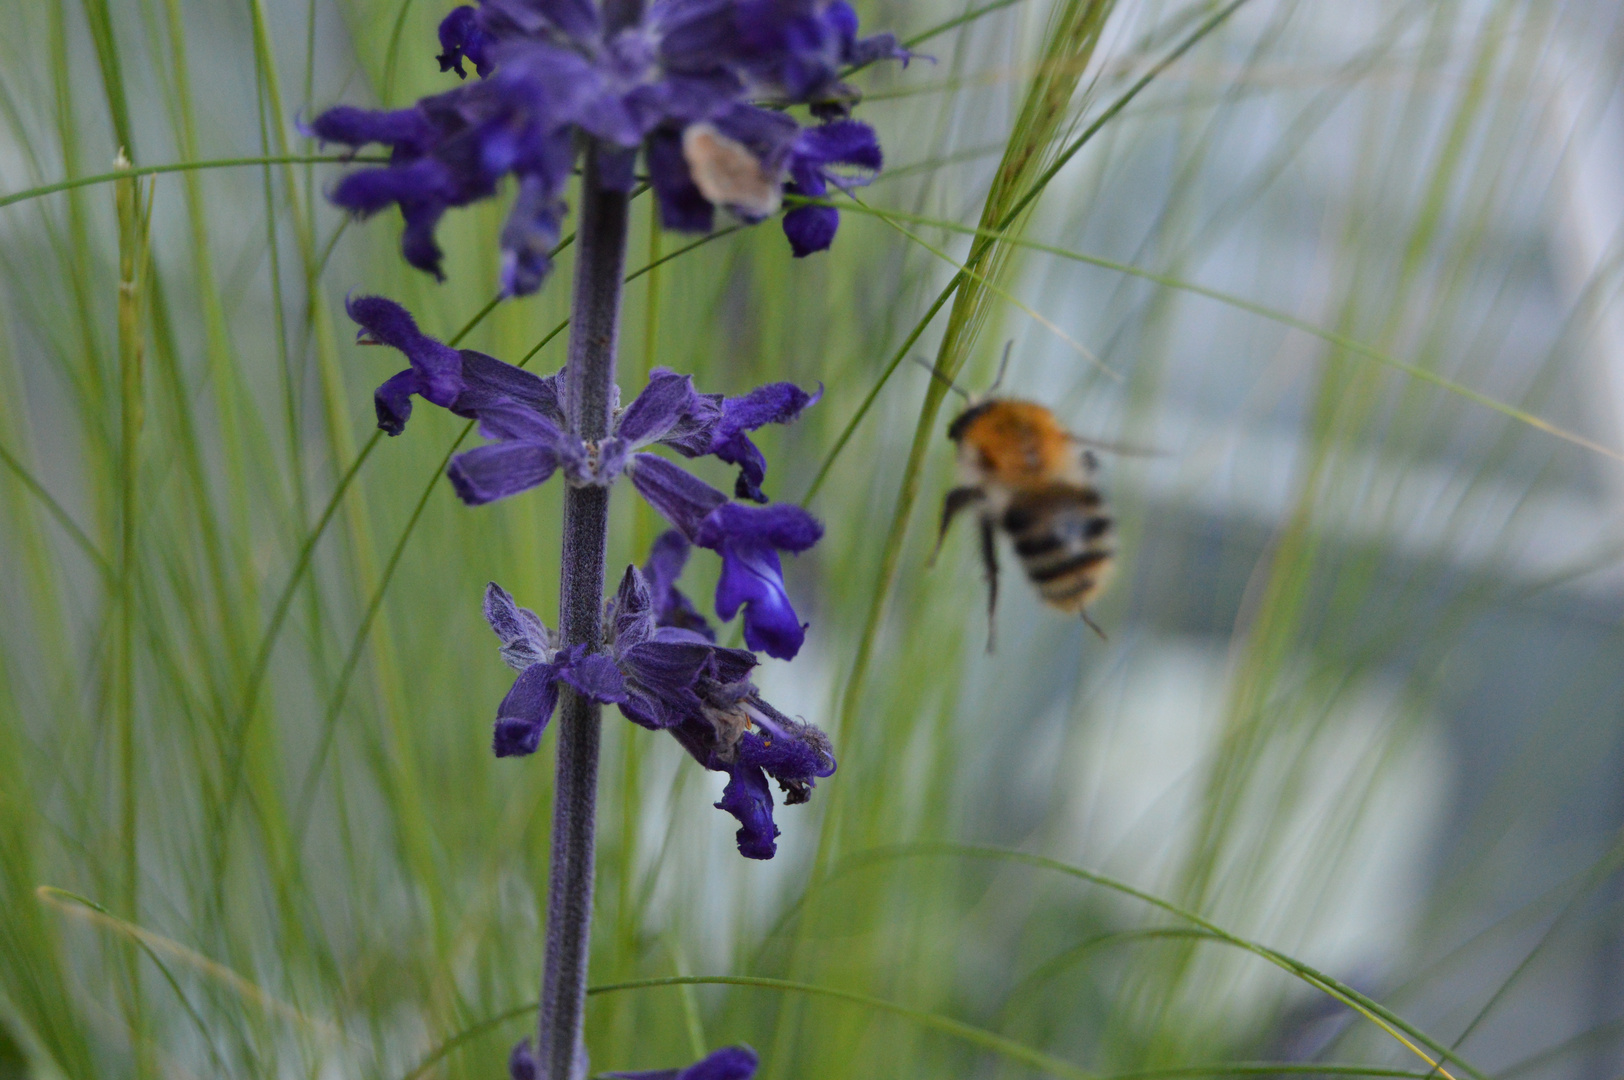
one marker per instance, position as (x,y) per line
(1003,366)
(939,377)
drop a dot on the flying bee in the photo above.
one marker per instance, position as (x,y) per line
(1027,475)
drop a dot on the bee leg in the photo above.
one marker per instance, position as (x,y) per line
(957,499)
(1094,626)
(989,563)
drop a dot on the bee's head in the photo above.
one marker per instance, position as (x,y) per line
(961,423)
(975,404)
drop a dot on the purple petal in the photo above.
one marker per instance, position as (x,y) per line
(682,207)
(488,379)
(782,525)
(524,637)
(662,676)
(811,229)
(392,401)
(746,537)
(425,183)
(576,19)
(792,753)
(438,366)
(666,558)
(356,127)
(522,1062)
(505,419)
(841,17)
(766,133)
(748,798)
(530,235)
(879,47)
(596,677)
(670,411)
(524,713)
(740,451)
(728,1063)
(780,757)
(845,143)
(487,473)
(417,243)
(632,620)
(683,500)
(731,665)
(839,142)
(775,403)
(460,36)
(753,577)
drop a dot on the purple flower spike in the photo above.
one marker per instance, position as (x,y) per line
(775,403)
(728,1063)
(527,647)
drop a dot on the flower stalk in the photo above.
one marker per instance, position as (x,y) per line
(589,396)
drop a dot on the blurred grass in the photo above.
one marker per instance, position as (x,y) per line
(249,824)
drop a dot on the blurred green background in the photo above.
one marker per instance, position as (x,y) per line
(1347,271)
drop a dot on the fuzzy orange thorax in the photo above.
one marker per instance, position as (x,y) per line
(1019,444)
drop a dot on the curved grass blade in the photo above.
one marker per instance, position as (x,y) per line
(975,1036)
(151,943)
(1394,1025)
(329,722)
(56,510)
(187,166)
(980,1037)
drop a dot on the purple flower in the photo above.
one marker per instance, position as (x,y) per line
(461,380)
(522,414)
(681,86)
(816,150)
(461,36)
(728,1063)
(527,648)
(678,681)
(748,538)
(664,677)
(775,403)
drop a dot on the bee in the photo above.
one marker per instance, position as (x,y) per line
(1028,476)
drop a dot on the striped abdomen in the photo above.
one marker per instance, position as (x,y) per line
(1064,539)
